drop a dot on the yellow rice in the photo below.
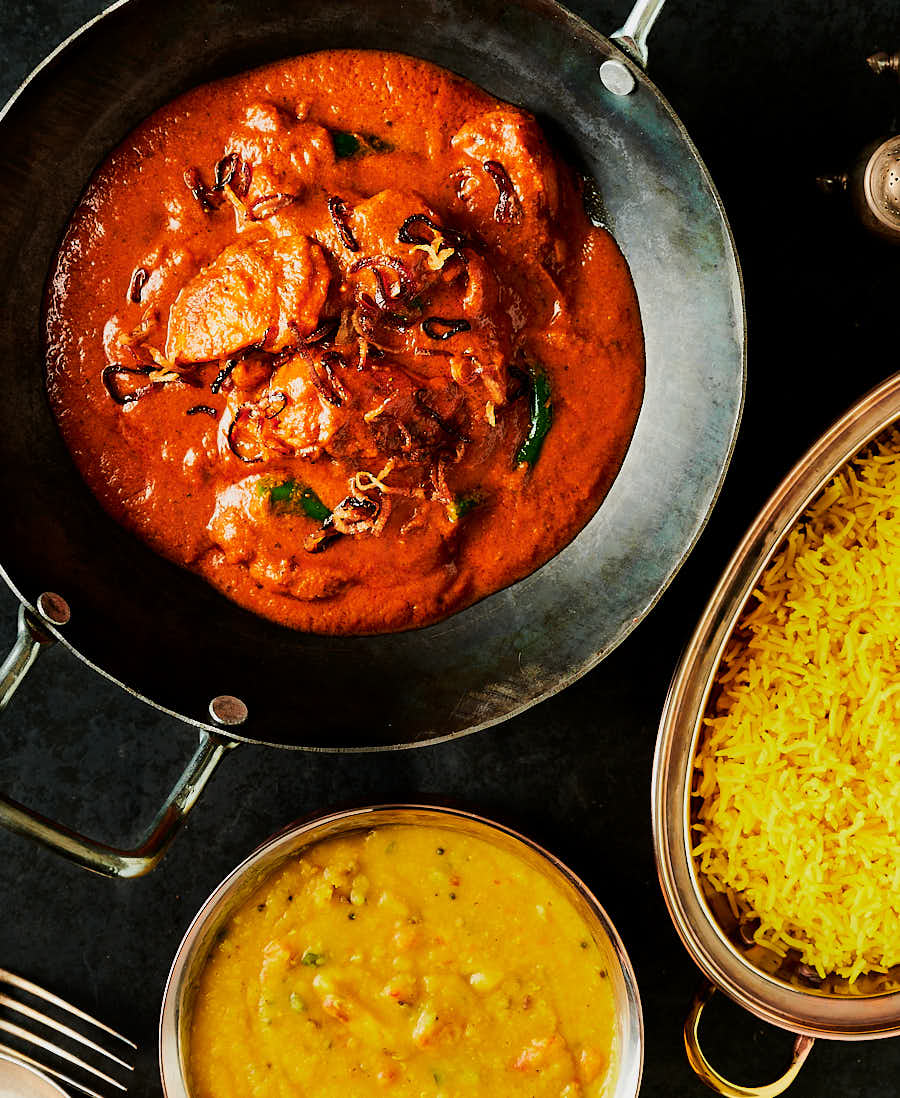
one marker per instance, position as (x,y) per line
(799,765)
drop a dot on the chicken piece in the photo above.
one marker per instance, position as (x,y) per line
(159,274)
(284,151)
(295,410)
(234,525)
(483,347)
(420,290)
(243,529)
(267,293)
(412,422)
(318,402)
(511,140)
(377,223)
(313,409)
(359,232)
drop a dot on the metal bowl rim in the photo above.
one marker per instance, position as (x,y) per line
(50,1086)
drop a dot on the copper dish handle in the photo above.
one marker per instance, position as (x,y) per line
(708,1074)
(34,637)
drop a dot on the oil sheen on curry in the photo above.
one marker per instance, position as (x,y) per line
(415,962)
(338,335)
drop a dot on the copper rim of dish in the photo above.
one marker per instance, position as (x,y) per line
(752,975)
(200,935)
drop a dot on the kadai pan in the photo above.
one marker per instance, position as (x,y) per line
(162,633)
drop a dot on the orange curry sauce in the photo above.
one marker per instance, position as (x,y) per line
(349,282)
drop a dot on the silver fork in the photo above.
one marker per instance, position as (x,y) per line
(36,1041)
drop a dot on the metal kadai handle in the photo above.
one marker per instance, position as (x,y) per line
(33,638)
(632,35)
(631,38)
(708,1074)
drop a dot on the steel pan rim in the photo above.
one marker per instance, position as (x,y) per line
(320,827)
(602,47)
(770,999)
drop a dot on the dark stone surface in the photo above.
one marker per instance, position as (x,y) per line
(773,94)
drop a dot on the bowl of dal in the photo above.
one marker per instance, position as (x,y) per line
(776,782)
(410,950)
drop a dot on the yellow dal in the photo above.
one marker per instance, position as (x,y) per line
(408,961)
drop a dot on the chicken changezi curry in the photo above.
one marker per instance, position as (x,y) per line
(338,335)
(410,961)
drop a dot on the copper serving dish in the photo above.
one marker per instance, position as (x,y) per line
(750,975)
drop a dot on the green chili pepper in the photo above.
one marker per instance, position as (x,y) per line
(311,958)
(463,504)
(347,145)
(288,497)
(541,413)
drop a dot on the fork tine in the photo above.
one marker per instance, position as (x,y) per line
(26,1059)
(51,1023)
(33,989)
(33,1039)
